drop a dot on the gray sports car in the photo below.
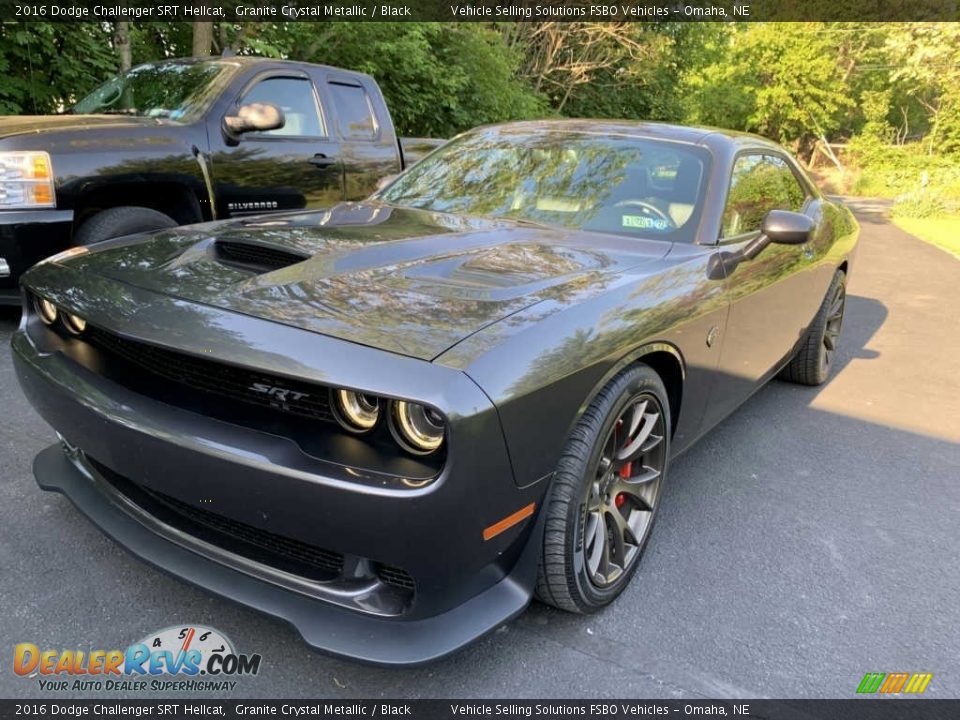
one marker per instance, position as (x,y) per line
(394,422)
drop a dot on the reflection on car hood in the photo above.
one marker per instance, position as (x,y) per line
(36,124)
(402,280)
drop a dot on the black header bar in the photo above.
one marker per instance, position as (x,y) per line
(477,10)
(301,709)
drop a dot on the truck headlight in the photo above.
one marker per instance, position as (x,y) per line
(26,180)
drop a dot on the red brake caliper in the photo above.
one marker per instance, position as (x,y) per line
(625,472)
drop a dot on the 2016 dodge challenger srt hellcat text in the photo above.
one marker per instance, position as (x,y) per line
(394,422)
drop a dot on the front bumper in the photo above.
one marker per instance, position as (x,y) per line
(263,483)
(323,626)
(26,238)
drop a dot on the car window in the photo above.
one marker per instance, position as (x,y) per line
(295,96)
(759,183)
(638,187)
(354,112)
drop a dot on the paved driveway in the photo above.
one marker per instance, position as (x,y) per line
(811,538)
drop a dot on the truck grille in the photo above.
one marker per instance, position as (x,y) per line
(256,388)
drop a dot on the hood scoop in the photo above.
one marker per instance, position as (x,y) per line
(255,257)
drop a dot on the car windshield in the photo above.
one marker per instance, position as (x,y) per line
(604,183)
(174,90)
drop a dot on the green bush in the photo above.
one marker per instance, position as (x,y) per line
(927,204)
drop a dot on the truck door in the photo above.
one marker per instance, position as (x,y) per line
(296,166)
(370,148)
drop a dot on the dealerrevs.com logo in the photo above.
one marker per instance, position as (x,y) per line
(191,658)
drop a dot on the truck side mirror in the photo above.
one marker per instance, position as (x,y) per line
(252,117)
(384,181)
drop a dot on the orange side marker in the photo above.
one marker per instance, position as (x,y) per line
(508,522)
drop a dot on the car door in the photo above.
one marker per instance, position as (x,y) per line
(293,167)
(771,296)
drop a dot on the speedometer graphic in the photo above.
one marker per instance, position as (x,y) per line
(180,639)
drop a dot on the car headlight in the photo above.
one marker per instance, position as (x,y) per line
(46,310)
(418,429)
(74,324)
(26,180)
(356,412)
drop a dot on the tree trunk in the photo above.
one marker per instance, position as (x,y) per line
(202,38)
(121,41)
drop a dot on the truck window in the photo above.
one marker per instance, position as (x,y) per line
(297,99)
(354,111)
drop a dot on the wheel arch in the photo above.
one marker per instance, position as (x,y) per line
(172,198)
(665,359)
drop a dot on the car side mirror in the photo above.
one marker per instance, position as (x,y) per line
(787,228)
(253,117)
(782,227)
(779,226)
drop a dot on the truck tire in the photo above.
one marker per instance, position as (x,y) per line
(119,221)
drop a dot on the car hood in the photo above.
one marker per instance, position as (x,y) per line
(403,280)
(40,124)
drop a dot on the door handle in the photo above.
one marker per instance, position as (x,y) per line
(321,160)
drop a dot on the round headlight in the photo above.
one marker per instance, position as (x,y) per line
(417,428)
(46,310)
(355,411)
(74,324)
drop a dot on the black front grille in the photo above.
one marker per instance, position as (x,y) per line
(265,547)
(270,543)
(268,548)
(396,577)
(256,257)
(249,386)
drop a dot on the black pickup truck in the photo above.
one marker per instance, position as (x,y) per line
(184,141)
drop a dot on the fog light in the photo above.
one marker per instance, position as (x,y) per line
(46,310)
(418,429)
(74,324)
(355,411)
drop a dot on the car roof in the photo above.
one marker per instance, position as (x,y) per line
(249,61)
(692,134)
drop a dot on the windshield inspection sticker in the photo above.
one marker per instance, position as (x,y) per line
(642,221)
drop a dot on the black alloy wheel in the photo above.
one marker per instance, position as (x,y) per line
(603,499)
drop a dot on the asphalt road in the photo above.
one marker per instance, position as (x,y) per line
(811,538)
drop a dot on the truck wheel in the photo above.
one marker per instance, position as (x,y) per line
(119,221)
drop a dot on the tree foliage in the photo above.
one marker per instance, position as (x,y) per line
(795,82)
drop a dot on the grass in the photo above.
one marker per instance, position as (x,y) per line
(943,231)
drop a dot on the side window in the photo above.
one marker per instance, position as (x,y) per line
(759,184)
(793,193)
(295,96)
(354,112)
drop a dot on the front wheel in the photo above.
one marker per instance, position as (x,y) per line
(119,221)
(814,359)
(605,492)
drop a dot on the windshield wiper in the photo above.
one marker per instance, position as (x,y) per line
(117,111)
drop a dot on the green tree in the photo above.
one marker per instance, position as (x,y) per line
(47,66)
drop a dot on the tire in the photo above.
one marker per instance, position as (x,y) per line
(119,221)
(813,361)
(587,490)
